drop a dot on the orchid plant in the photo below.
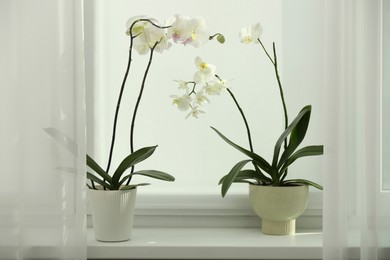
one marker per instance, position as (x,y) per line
(146,36)
(206,82)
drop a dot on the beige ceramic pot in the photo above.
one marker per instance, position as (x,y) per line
(278,207)
(112,214)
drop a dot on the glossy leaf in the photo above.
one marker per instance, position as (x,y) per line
(133,186)
(296,137)
(263,164)
(299,125)
(99,181)
(231,176)
(96,167)
(303,181)
(260,175)
(131,160)
(312,150)
(155,174)
(242,175)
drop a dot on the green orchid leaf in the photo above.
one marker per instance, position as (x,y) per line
(298,126)
(155,174)
(296,137)
(231,176)
(263,164)
(303,181)
(131,160)
(99,181)
(124,179)
(244,181)
(96,167)
(62,139)
(133,186)
(149,173)
(312,150)
(260,175)
(241,176)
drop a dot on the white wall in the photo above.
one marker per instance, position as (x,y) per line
(189,149)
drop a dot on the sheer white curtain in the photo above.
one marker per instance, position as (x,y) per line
(356,209)
(42,193)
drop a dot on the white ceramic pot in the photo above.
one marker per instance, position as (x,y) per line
(112,214)
(278,207)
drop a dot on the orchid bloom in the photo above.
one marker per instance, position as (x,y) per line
(182,102)
(183,85)
(138,27)
(195,112)
(151,36)
(189,31)
(147,34)
(216,87)
(205,71)
(251,34)
(201,98)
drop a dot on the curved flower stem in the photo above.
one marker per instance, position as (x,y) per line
(137,104)
(243,117)
(280,89)
(283,102)
(214,35)
(119,103)
(193,88)
(266,52)
(274,62)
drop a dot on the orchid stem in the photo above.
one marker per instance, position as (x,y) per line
(137,105)
(274,62)
(243,117)
(280,88)
(118,105)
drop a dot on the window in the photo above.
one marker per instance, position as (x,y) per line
(188,148)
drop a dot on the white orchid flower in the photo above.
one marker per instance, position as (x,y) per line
(251,34)
(199,32)
(138,26)
(183,85)
(159,35)
(150,36)
(216,87)
(183,102)
(189,31)
(195,112)
(206,71)
(146,34)
(201,98)
(179,28)
(141,46)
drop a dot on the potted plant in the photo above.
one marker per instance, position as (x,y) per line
(112,194)
(274,198)
(147,36)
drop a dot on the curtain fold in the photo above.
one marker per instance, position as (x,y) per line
(42,194)
(356,209)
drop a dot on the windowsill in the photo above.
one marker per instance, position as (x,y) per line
(208,243)
(209,227)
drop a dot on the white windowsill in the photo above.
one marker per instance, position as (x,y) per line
(208,243)
(209,227)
